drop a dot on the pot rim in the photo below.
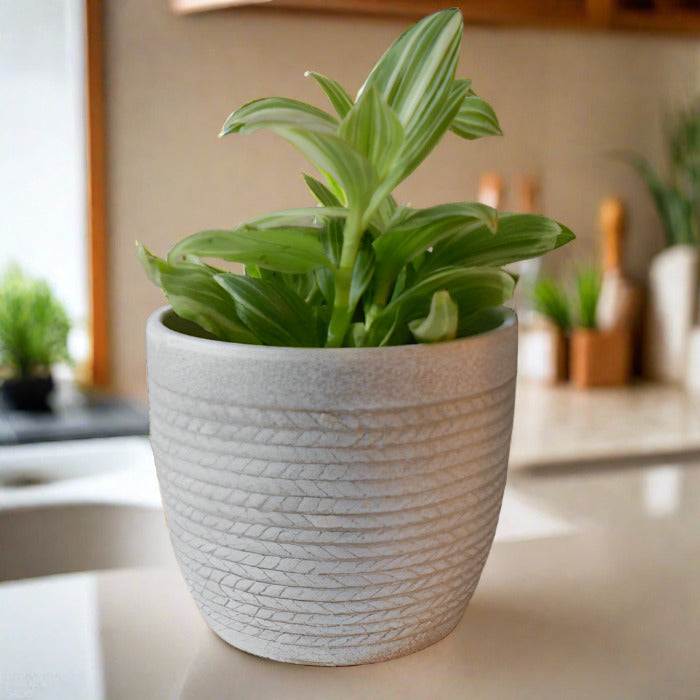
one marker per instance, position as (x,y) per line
(156,323)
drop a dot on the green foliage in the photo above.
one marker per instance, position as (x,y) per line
(551,300)
(440,324)
(588,283)
(33,325)
(358,270)
(677,197)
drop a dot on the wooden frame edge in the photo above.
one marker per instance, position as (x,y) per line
(96,195)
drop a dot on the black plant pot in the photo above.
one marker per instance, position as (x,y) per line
(28,393)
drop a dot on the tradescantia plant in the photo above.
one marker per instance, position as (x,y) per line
(358,269)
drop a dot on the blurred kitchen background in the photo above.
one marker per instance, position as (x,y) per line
(574,84)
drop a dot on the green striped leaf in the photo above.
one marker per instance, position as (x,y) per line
(420,142)
(362,272)
(194,294)
(335,92)
(475,119)
(306,217)
(313,132)
(519,237)
(270,112)
(290,249)
(325,197)
(372,128)
(419,66)
(416,79)
(441,322)
(482,321)
(331,154)
(470,288)
(421,229)
(274,312)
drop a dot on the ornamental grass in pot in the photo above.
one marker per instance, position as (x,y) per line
(598,357)
(34,329)
(331,429)
(552,303)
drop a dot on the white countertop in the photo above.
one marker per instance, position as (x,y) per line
(606,609)
(559,425)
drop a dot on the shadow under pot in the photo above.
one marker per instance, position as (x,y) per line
(600,358)
(28,393)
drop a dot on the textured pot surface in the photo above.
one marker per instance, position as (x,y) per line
(331,507)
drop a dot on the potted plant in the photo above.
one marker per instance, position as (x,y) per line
(34,330)
(552,303)
(673,276)
(598,357)
(331,430)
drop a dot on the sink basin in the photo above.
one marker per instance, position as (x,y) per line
(55,539)
(79,505)
(111,470)
(47,462)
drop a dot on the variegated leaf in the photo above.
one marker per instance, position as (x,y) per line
(441,322)
(290,249)
(336,93)
(519,237)
(372,128)
(274,312)
(418,230)
(194,294)
(475,119)
(270,112)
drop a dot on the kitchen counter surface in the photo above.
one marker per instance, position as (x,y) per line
(604,608)
(75,415)
(560,426)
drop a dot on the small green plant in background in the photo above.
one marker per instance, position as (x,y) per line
(588,283)
(677,196)
(551,301)
(358,269)
(34,326)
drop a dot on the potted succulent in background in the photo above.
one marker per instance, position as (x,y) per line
(551,301)
(672,305)
(34,330)
(331,430)
(597,357)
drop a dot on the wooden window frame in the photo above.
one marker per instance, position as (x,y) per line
(97,241)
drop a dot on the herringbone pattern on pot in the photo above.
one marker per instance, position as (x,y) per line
(331,536)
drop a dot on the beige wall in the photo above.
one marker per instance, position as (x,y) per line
(563,99)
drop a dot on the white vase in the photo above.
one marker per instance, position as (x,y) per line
(671,309)
(331,507)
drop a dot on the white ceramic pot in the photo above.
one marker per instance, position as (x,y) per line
(331,507)
(671,310)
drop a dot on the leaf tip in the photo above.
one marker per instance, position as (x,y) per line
(565,236)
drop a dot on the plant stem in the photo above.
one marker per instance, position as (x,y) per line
(342,314)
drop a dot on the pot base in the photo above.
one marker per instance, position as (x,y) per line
(324,655)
